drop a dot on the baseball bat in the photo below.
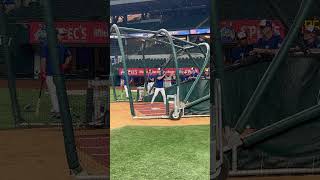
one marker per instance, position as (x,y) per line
(39,99)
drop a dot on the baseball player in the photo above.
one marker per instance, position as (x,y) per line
(46,72)
(167,80)
(159,87)
(151,79)
(124,84)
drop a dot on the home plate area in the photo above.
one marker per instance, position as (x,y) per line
(156,109)
(95,146)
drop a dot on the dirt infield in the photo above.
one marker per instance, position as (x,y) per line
(33,154)
(120,117)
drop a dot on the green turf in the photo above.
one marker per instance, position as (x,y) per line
(5,110)
(160,153)
(121,95)
(29,96)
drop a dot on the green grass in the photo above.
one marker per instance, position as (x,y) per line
(30,96)
(6,120)
(121,95)
(160,153)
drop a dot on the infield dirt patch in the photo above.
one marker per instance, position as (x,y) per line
(120,117)
(33,154)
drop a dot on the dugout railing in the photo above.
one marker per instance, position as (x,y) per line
(225,156)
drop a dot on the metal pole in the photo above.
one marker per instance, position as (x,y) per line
(11,75)
(198,101)
(194,62)
(201,72)
(283,125)
(175,61)
(284,20)
(70,147)
(125,69)
(144,67)
(274,66)
(112,82)
(265,172)
(217,53)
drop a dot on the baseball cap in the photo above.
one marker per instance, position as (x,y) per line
(309,29)
(242,35)
(265,23)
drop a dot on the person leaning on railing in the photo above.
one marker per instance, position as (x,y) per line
(193,73)
(310,37)
(270,42)
(311,41)
(242,50)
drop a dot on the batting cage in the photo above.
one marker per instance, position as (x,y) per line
(83,105)
(267,111)
(160,75)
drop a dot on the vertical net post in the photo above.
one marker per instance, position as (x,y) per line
(125,69)
(5,40)
(219,73)
(175,58)
(112,82)
(70,147)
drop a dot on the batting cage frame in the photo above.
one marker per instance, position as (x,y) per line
(224,147)
(179,102)
(71,151)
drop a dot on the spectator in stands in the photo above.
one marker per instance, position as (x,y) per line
(206,74)
(185,76)
(193,73)
(270,42)
(242,50)
(310,37)
(174,79)
(151,79)
(167,80)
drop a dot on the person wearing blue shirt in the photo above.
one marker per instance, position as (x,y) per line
(46,72)
(193,73)
(159,87)
(242,50)
(150,79)
(270,42)
(184,76)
